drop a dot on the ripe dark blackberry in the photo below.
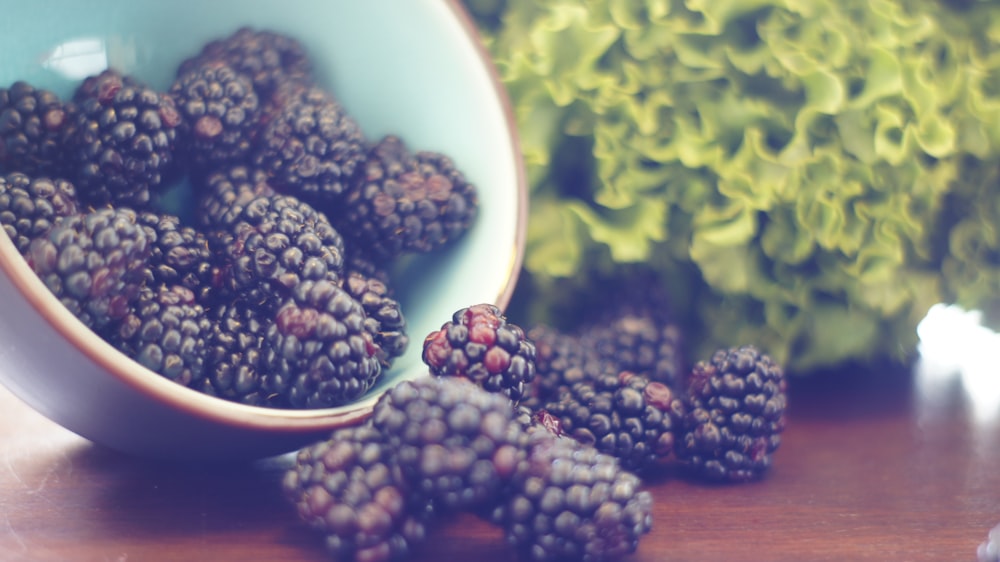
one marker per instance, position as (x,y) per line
(121,141)
(221,190)
(310,148)
(572,502)
(640,344)
(320,351)
(267,58)
(93,263)
(457,444)
(33,123)
(405,202)
(165,331)
(179,255)
(234,361)
(625,415)
(562,360)
(350,488)
(219,114)
(381,308)
(479,344)
(30,206)
(735,412)
(273,244)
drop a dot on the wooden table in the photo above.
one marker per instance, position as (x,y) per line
(874,466)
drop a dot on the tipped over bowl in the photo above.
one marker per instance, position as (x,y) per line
(415,70)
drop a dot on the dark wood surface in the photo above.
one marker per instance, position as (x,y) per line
(874,466)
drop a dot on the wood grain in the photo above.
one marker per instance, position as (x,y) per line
(874,466)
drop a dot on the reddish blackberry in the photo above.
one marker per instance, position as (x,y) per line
(320,351)
(121,141)
(562,360)
(456,444)
(275,243)
(381,308)
(625,415)
(310,148)
(405,202)
(234,361)
(179,255)
(735,413)
(93,263)
(572,502)
(479,344)
(266,58)
(29,206)
(226,188)
(640,344)
(219,114)
(165,331)
(33,123)
(350,488)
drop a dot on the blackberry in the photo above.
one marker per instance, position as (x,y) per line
(165,331)
(219,114)
(30,206)
(405,202)
(179,255)
(350,488)
(93,263)
(267,58)
(479,344)
(625,415)
(33,124)
(561,361)
(121,141)
(320,351)
(275,243)
(457,444)
(311,148)
(989,550)
(221,190)
(735,413)
(381,308)
(234,361)
(640,344)
(572,502)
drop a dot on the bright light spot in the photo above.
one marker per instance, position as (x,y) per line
(954,343)
(78,59)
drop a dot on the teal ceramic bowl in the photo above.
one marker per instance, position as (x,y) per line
(411,68)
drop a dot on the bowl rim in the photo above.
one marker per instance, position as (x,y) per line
(219,410)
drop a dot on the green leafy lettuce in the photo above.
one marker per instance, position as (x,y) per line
(815,173)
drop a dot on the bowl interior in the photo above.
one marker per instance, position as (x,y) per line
(407,68)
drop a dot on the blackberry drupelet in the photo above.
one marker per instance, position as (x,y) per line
(562,360)
(179,255)
(572,502)
(219,114)
(625,415)
(165,331)
(640,344)
(735,412)
(29,206)
(350,488)
(274,243)
(311,148)
(267,58)
(93,263)
(33,124)
(320,351)
(479,344)
(381,308)
(405,202)
(457,444)
(221,190)
(121,142)
(234,361)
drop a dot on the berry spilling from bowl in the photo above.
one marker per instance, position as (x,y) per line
(264,276)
